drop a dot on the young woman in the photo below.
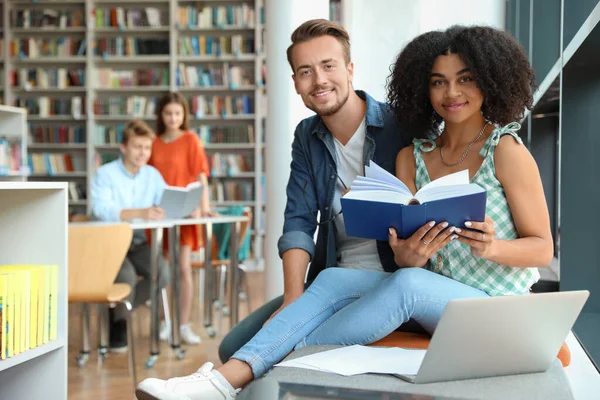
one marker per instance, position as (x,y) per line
(179,156)
(459,92)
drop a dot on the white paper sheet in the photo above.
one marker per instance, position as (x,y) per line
(355,360)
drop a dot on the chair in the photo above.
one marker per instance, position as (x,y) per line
(220,264)
(96,253)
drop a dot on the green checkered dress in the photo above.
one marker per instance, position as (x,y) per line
(455,260)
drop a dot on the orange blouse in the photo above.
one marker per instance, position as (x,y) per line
(180,162)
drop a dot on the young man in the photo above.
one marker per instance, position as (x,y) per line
(329,150)
(124,190)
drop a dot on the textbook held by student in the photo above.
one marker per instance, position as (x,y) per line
(379,200)
(180,202)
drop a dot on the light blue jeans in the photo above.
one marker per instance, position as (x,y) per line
(348,306)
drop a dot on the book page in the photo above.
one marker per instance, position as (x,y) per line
(457,178)
(374,171)
(378,195)
(447,192)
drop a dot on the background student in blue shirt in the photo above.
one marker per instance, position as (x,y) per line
(124,190)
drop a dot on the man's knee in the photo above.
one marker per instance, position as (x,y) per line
(127,274)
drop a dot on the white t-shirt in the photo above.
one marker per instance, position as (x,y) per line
(352,252)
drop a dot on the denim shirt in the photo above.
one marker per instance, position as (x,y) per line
(313,179)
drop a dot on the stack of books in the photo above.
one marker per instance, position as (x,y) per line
(28,307)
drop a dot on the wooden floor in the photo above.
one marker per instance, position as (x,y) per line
(110,380)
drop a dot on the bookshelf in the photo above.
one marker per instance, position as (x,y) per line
(111,60)
(37,215)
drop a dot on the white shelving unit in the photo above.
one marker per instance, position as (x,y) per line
(36,213)
(170,31)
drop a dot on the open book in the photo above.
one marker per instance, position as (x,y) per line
(379,200)
(180,202)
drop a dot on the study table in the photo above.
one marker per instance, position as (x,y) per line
(173,225)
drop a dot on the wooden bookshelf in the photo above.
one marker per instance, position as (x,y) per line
(241,51)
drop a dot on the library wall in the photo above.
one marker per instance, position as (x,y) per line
(83,68)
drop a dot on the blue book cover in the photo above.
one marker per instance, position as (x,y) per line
(379,201)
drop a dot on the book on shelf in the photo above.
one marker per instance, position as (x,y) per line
(45,78)
(180,202)
(56,163)
(229,164)
(130,106)
(240,134)
(209,77)
(10,156)
(29,303)
(222,106)
(131,18)
(45,106)
(111,78)
(130,46)
(238,16)
(379,201)
(59,134)
(47,47)
(203,45)
(46,18)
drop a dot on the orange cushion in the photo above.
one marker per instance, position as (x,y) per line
(421,341)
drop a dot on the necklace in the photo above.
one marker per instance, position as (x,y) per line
(466,151)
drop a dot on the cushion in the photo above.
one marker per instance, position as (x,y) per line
(421,341)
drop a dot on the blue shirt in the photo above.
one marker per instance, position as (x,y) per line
(311,186)
(115,189)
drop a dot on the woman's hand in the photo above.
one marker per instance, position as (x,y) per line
(480,237)
(424,243)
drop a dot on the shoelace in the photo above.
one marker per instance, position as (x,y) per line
(195,375)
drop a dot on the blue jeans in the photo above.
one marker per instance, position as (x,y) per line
(347,306)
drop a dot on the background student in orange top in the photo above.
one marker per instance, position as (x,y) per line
(179,156)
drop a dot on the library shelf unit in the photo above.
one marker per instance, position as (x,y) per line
(83,68)
(34,215)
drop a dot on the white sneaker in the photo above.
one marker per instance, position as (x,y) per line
(188,336)
(201,385)
(164,332)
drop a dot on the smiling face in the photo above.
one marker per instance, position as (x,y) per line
(173,115)
(321,76)
(453,92)
(136,152)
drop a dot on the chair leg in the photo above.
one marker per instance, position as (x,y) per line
(102,310)
(244,281)
(131,344)
(222,294)
(165,304)
(200,291)
(84,355)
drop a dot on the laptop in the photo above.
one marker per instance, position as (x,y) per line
(505,335)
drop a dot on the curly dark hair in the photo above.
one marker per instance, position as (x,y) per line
(499,65)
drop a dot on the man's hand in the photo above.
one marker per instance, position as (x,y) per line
(424,243)
(287,300)
(153,213)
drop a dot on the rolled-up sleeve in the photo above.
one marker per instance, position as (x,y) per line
(103,204)
(301,209)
